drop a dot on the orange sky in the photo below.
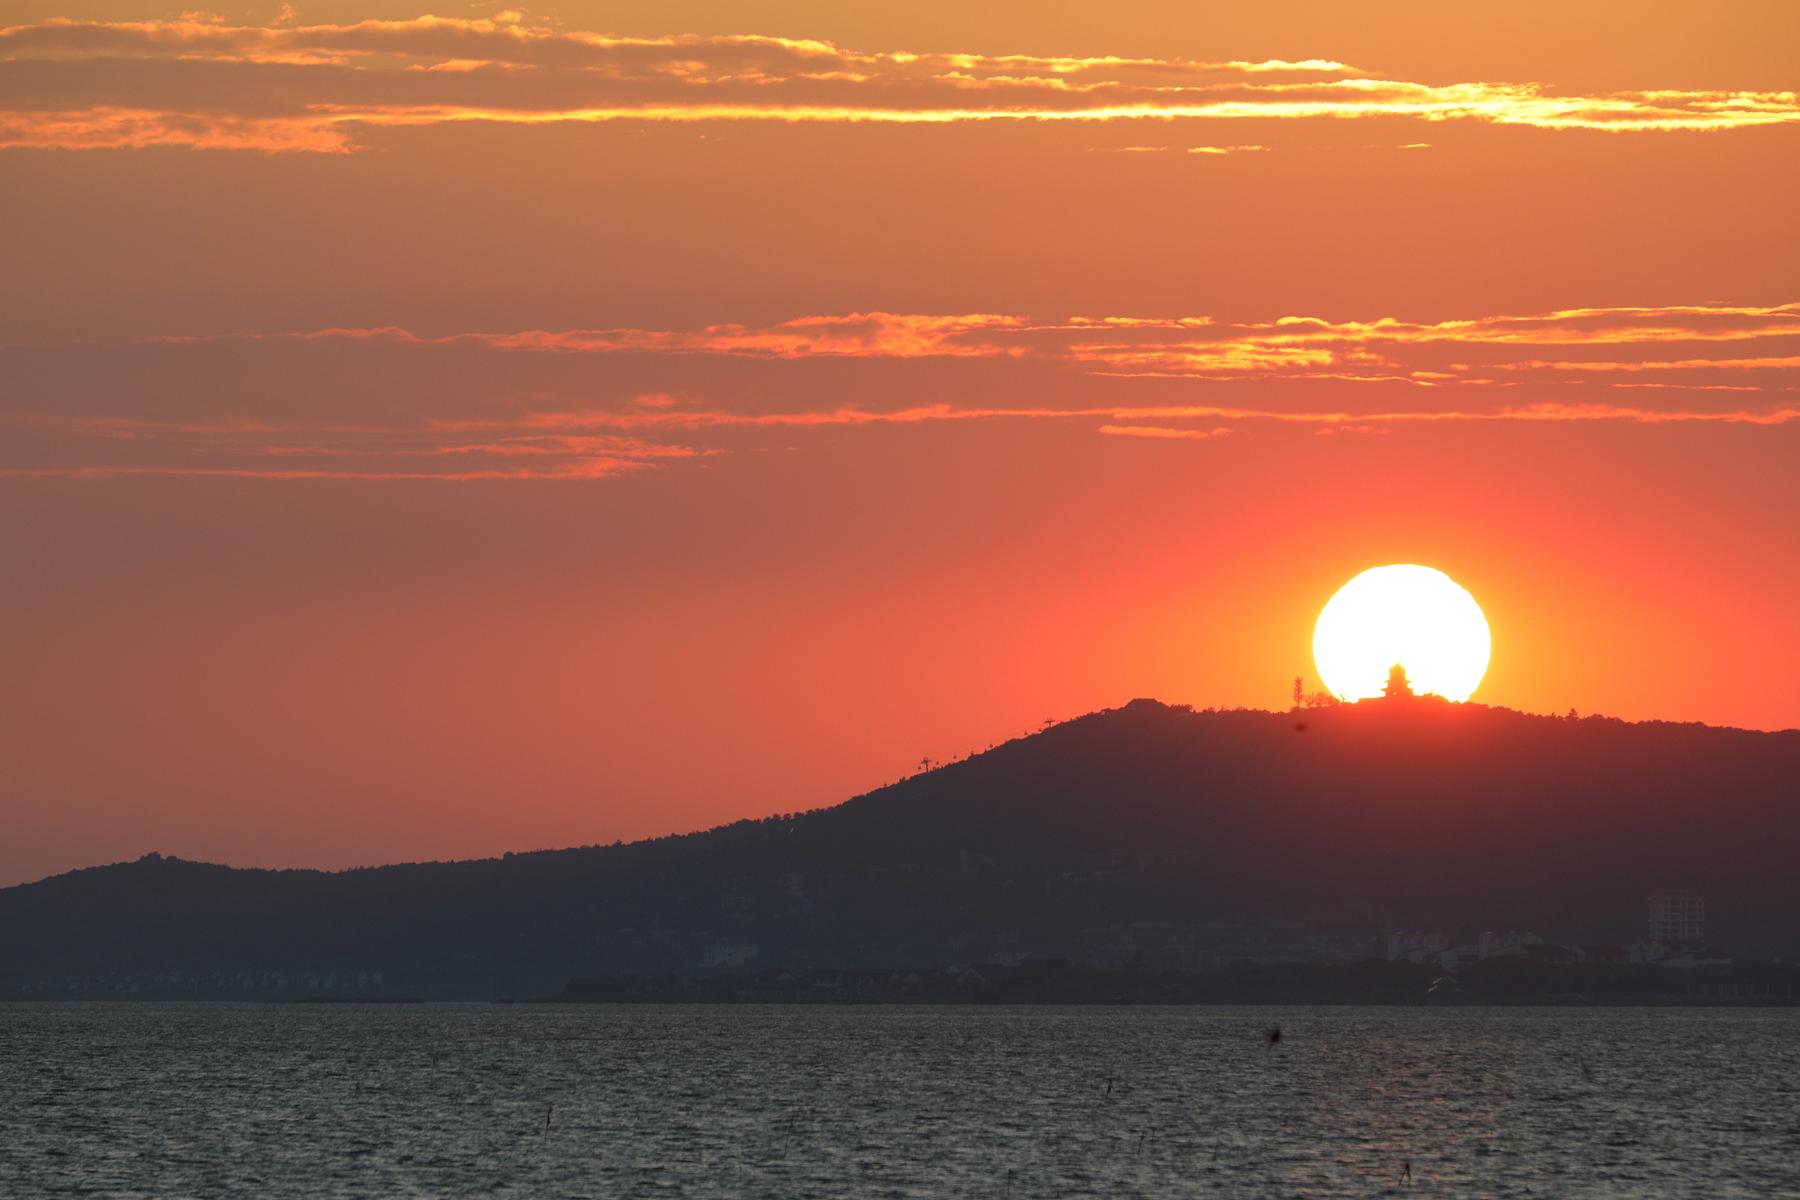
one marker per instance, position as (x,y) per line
(430,437)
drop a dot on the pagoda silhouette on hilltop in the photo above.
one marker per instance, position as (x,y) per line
(1397,686)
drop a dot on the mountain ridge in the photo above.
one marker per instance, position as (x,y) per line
(1300,714)
(1335,822)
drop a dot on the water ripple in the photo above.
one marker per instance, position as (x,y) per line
(474,1100)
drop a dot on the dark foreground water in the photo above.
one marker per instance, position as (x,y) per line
(272,1100)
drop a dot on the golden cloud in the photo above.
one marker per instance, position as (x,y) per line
(285,87)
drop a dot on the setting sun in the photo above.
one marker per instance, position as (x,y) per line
(1415,616)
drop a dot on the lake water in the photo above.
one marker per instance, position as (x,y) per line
(456,1100)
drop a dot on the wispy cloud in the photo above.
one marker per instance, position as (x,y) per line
(288,87)
(250,449)
(1706,342)
(1164,432)
(1692,365)
(527,448)
(1208,151)
(1548,413)
(853,335)
(562,446)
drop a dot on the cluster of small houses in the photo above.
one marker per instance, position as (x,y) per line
(1436,948)
(1675,923)
(1676,928)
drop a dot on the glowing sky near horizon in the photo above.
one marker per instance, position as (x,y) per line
(432,436)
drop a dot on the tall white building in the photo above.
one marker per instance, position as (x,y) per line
(1677,915)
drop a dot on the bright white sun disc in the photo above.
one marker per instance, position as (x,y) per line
(1416,616)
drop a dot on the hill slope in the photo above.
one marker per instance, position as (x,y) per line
(1237,827)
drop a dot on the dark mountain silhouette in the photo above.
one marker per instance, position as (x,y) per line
(1222,831)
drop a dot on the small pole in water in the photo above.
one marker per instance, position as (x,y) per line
(547,1114)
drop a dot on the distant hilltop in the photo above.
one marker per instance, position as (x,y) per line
(1148,833)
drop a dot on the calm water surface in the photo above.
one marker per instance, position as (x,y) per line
(273,1100)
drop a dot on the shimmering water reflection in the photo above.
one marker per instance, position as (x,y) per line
(272,1100)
